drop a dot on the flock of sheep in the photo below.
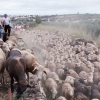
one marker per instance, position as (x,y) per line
(69,69)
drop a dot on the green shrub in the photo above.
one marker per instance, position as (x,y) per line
(32,24)
(38,20)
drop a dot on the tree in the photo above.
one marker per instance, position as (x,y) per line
(38,20)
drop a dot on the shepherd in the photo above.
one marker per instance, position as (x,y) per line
(6,24)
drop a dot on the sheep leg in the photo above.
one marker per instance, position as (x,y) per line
(28,77)
(3,79)
(18,89)
(12,86)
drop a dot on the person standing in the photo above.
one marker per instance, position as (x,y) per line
(0,27)
(6,24)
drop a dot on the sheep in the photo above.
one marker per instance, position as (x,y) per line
(86,90)
(13,38)
(83,74)
(2,61)
(73,73)
(11,44)
(28,50)
(52,86)
(61,98)
(45,75)
(5,48)
(90,77)
(70,65)
(95,94)
(16,67)
(96,77)
(81,96)
(70,80)
(33,64)
(84,68)
(78,69)
(51,65)
(54,76)
(67,91)
(61,73)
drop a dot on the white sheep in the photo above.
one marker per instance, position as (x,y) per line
(52,86)
(2,61)
(70,80)
(67,90)
(54,76)
(61,98)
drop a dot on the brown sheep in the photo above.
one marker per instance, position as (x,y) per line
(33,65)
(16,67)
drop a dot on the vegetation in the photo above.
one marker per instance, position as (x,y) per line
(79,29)
(89,27)
(38,20)
(32,24)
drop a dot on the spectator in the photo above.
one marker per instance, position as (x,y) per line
(0,27)
(6,24)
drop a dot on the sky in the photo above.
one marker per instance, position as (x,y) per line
(49,7)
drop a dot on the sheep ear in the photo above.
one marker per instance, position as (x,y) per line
(13,44)
(45,72)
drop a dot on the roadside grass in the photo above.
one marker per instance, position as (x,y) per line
(71,29)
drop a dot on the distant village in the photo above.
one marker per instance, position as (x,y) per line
(20,21)
(65,17)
